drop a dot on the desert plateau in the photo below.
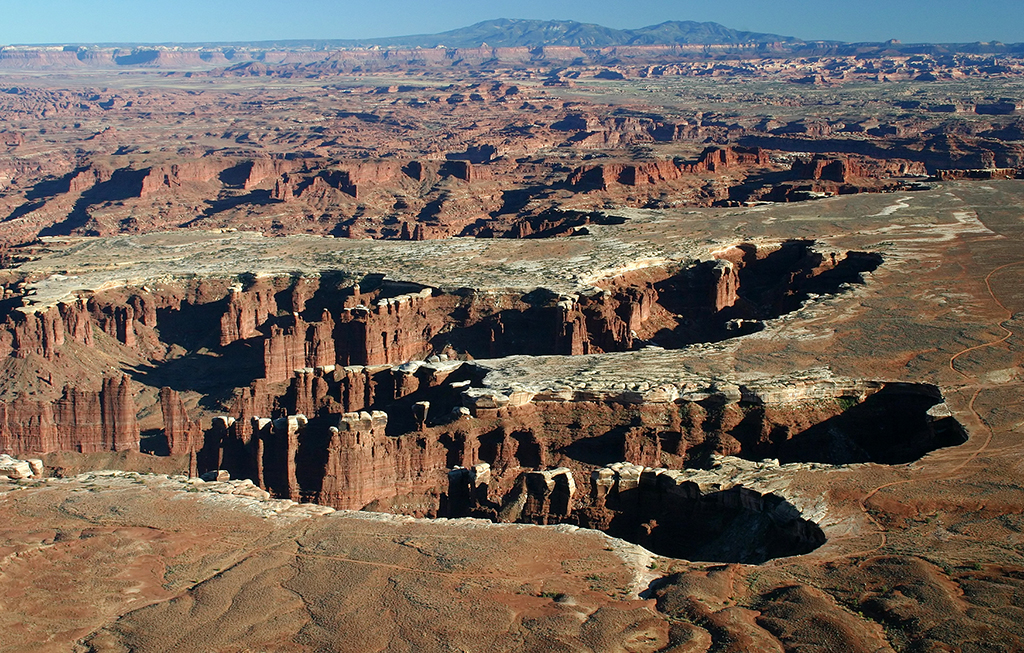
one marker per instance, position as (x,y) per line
(530,336)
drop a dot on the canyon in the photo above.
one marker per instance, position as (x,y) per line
(627,347)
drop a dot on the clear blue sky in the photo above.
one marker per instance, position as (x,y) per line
(154,21)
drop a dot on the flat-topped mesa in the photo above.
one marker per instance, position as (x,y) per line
(847,169)
(173,176)
(312,183)
(716,159)
(980,173)
(262,169)
(825,175)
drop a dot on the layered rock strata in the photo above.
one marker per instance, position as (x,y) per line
(520,456)
(182,434)
(501,440)
(80,420)
(353,341)
(699,514)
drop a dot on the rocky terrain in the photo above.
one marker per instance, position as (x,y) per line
(512,150)
(514,354)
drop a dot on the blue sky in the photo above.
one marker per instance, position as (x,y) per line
(154,21)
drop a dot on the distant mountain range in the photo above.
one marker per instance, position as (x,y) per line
(506,32)
(511,32)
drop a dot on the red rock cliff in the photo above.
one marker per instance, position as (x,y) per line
(81,420)
(181,432)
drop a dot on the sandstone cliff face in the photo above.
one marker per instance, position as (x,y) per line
(471,461)
(713,159)
(358,465)
(250,404)
(262,169)
(726,285)
(246,312)
(540,497)
(845,170)
(43,332)
(351,345)
(375,329)
(81,420)
(37,333)
(182,434)
(716,159)
(392,331)
(170,177)
(121,432)
(26,426)
(311,390)
(285,349)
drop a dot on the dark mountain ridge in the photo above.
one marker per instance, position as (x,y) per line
(507,32)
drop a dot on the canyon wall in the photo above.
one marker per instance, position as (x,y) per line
(451,448)
(81,420)
(326,346)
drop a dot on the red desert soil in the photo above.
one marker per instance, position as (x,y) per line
(127,563)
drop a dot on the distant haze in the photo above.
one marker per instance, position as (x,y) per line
(183,21)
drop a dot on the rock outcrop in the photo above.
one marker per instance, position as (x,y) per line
(118,410)
(43,332)
(246,312)
(81,420)
(367,468)
(171,177)
(675,514)
(16,469)
(182,434)
(393,330)
(540,497)
(713,159)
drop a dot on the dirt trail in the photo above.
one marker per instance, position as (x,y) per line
(975,417)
